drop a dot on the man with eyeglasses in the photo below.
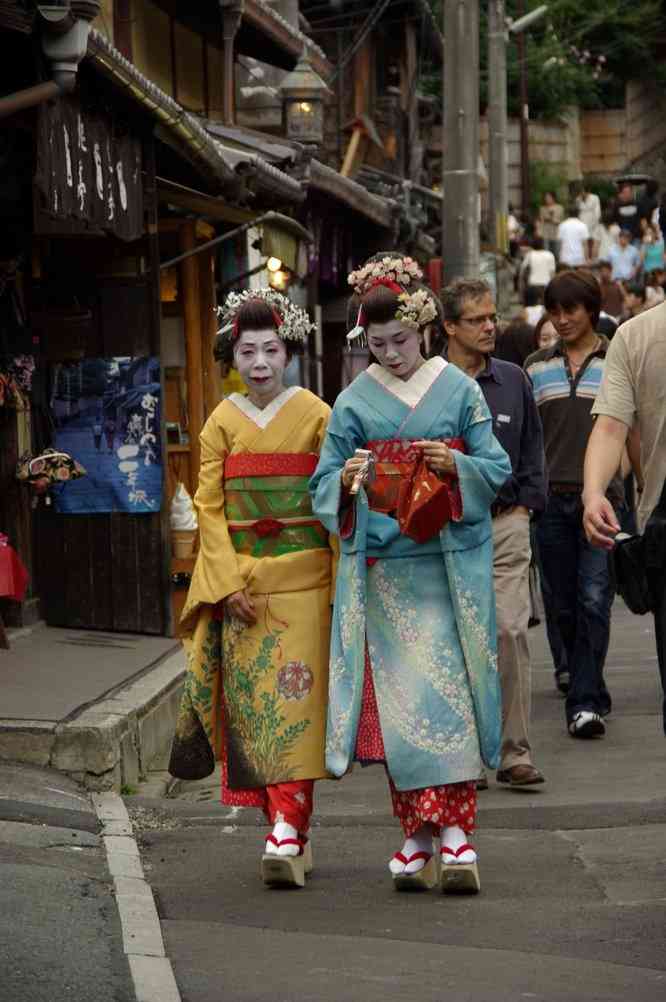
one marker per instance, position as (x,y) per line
(578,590)
(470,324)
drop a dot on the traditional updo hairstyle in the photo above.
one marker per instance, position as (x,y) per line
(380,304)
(253,315)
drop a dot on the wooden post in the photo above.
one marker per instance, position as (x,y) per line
(232,13)
(211,376)
(415,152)
(363,89)
(156,348)
(122,27)
(189,276)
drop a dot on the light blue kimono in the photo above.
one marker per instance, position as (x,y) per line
(427,611)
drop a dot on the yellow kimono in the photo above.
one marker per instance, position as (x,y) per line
(258,693)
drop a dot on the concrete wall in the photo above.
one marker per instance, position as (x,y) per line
(556,143)
(632,137)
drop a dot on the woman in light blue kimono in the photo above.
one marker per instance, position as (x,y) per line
(413,675)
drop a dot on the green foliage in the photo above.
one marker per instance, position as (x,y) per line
(578,54)
(544,177)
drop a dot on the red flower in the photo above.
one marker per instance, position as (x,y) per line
(267,527)
(295,680)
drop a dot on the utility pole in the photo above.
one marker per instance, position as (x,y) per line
(524,118)
(498,168)
(460,168)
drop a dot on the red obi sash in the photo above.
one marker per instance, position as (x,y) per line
(407,490)
(270,464)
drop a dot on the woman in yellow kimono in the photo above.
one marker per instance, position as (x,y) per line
(257,616)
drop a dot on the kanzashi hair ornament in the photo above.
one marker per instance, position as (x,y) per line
(357,337)
(292,322)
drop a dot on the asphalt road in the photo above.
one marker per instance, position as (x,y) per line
(60,936)
(573,902)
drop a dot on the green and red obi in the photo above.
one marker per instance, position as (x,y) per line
(268,505)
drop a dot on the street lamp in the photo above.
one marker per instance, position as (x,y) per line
(303,94)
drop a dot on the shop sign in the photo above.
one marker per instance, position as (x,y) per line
(89,169)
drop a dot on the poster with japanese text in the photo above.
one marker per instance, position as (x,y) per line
(107,416)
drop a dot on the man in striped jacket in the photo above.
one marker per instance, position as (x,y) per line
(577,585)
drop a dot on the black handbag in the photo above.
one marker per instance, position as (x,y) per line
(640,561)
(631,578)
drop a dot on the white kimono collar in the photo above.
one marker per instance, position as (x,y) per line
(411,391)
(262,417)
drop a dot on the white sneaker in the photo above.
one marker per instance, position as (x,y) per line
(587,724)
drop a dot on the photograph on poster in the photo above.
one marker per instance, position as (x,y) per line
(107,416)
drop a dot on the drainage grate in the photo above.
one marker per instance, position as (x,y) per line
(100,640)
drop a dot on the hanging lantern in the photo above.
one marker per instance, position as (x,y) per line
(303,94)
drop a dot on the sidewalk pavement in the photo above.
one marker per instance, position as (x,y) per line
(573,902)
(100,707)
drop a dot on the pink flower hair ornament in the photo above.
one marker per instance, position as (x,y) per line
(416,310)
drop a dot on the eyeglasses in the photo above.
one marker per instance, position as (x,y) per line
(493,318)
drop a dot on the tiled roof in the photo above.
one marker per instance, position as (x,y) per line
(299,36)
(216,160)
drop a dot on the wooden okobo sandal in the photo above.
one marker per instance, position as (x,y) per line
(287,871)
(424,879)
(459,878)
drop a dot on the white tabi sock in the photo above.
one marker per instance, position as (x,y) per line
(420,841)
(453,838)
(281,831)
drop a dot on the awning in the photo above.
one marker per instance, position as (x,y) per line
(380,210)
(265,176)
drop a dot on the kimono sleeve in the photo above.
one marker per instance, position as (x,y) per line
(485,467)
(344,435)
(216,574)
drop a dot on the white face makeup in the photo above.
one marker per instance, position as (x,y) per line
(397,348)
(261,358)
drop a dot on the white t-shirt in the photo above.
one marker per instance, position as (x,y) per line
(572,234)
(542,266)
(590,212)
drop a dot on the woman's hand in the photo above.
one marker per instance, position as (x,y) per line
(240,606)
(439,458)
(350,469)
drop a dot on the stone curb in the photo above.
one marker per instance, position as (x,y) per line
(110,743)
(151,970)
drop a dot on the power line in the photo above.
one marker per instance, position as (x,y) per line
(369,24)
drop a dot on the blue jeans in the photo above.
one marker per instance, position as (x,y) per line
(580,594)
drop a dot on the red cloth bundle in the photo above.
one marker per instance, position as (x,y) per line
(13,575)
(428,502)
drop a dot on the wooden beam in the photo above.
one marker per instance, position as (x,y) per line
(355,152)
(190,291)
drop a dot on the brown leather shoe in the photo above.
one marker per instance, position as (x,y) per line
(520,775)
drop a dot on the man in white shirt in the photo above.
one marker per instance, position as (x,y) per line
(538,266)
(573,235)
(589,208)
